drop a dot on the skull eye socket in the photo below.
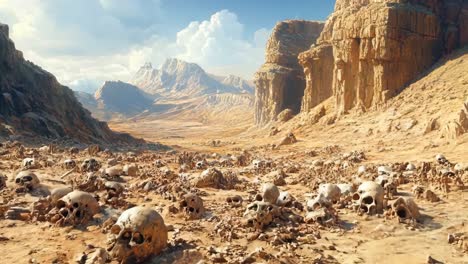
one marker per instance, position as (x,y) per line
(191,209)
(127,235)
(253,207)
(401,213)
(356,196)
(27,178)
(60,204)
(18,180)
(138,238)
(258,197)
(368,200)
(64,213)
(115,229)
(270,208)
(183,204)
(76,205)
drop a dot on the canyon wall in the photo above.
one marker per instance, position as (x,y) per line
(280,82)
(370,50)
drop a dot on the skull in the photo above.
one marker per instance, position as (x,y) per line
(258,164)
(29,163)
(27,179)
(209,178)
(77,208)
(389,185)
(234,201)
(138,233)
(192,206)
(460,167)
(114,189)
(259,214)
(269,193)
(330,191)
(69,164)
(285,199)
(58,193)
(441,159)
(200,165)
(370,197)
(321,215)
(405,208)
(90,165)
(319,201)
(159,163)
(410,167)
(130,170)
(384,170)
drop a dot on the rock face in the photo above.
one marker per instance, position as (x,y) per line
(378,47)
(280,82)
(178,79)
(122,98)
(33,103)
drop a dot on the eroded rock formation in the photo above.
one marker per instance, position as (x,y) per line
(280,82)
(33,103)
(378,47)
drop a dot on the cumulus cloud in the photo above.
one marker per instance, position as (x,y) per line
(86,42)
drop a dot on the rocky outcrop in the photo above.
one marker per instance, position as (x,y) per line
(33,103)
(121,97)
(280,82)
(378,47)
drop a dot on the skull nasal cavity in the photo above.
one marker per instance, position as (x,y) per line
(368,200)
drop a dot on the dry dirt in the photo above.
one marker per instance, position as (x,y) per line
(221,235)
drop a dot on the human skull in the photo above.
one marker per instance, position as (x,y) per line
(317,202)
(77,207)
(90,165)
(441,159)
(330,191)
(370,197)
(285,199)
(389,185)
(58,193)
(410,167)
(29,163)
(27,179)
(192,206)
(405,208)
(130,169)
(234,201)
(138,233)
(69,164)
(258,164)
(114,189)
(268,193)
(460,167)
(159,163)
(384,170)
(259,214)
(322,216)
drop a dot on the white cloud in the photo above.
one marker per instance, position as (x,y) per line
(86,42)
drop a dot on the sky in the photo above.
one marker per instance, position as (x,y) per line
(86,42)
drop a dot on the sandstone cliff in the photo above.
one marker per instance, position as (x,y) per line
(33,103)
(370,50)
(280,82)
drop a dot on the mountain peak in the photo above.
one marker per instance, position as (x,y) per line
(174,65)
(147,66)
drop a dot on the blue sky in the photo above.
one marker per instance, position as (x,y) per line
(86,42)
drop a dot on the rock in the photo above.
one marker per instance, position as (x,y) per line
(280,82)
(378,48)
(285,115)
(33,103)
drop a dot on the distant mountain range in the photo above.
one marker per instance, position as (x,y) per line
(151,90)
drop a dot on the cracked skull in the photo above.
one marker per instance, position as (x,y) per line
(77,208)
(90,165)
(370,197)
(192,206)
(330,191)
(405,208)
(268,193)
(138,233)
(29,163)
(27,179)
(69,164)
(259,214)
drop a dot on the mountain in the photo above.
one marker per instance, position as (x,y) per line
(33,104)
(178,79)
(122,98)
